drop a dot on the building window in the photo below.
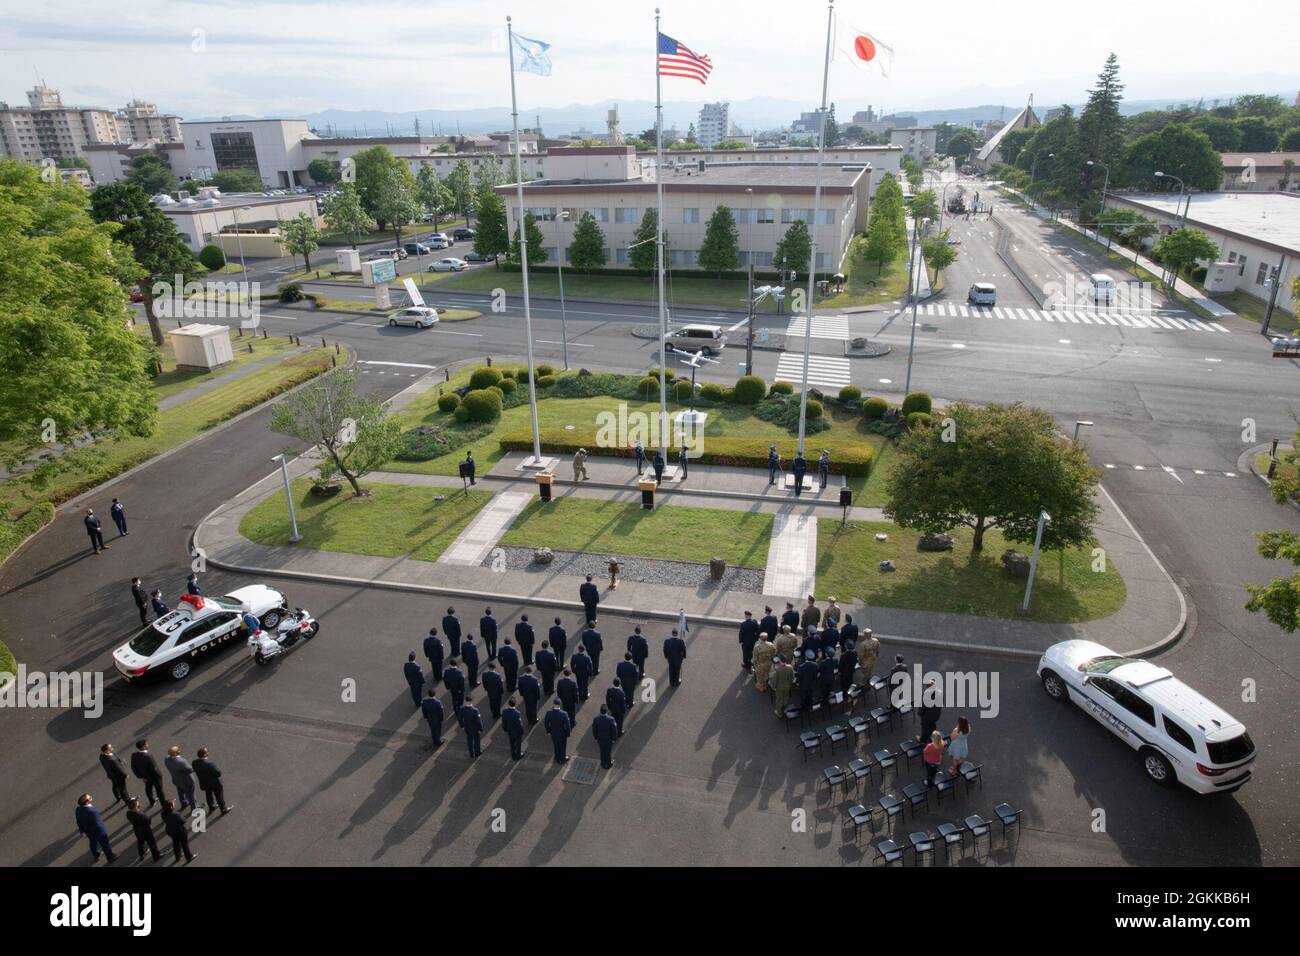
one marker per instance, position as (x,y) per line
(620,257)
(684,257)
(550,253)
(542,213)
(823,260)
(762,260)
(765,215)
(234,151)
(1241,265)
(625,215)
(600,215)
(690,215)
(793,215)
(1261,274)
(826,217)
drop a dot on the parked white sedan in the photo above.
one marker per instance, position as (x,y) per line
(420,316)
(449,265)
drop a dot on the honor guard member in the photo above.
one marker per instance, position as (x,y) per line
(414,677)
(681,460)
(530,689)
(433,713)
(451,627)
(773,464)
(639,648)
(469,654)
(508,658)
(582,667)
(453,678)
(824,468)
(558,726)
(559,639)
(627,672)
(472,723)
(433,650)
(494,687)
(566,688)
(748,638)
(658,464)
(800,468)
(675,653)
(524,637)
(616,701)
(769,625)
(487,629)
(589,595)
(513,722)
(639,451)
(547,665)
(605,729)
(594,643)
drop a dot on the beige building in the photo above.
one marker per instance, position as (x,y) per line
(919,142)
(110,162)
(210,215)
(764,198)
(881,159)
(1261,172)
(46,129)
(140,122)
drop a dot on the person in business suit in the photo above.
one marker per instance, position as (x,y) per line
(494,687)
(524,637)
(769,625)
(530,689)
(117,512)
(589,595)
(748,638)
(95,530)
(451,627)
(508,658)
(453,678)
(605,729)
(639,648)
(595,644)
(513,722)
(848,631)
(559,639)
(146,768)
(116,771)
(547,665)
(800,468)
(141,598)
(469,656)
(192,586)
(91,825)
(182,775)
(414,677)
(581,664)
(471,721)
(566,689)
(675,654)
(807,674)
(627,672)
(616,701)
(558,726)
(433,650)
(487,629)
(156,604)
(209,776)
(824,468)
(174,825)
(434,715)
(790,617)
(848,666)
(659,464)
(142,828)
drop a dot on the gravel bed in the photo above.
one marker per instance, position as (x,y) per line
(685,574)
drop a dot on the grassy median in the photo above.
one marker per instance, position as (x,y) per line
(1066,589)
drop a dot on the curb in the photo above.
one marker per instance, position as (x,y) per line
(738,495)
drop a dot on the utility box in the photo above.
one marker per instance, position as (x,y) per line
(1222,277)
(545,483)
(647,487)
(202,346)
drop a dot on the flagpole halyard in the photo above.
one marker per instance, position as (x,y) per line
(659,248)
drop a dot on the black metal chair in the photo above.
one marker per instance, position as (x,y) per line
(977,827)
(885,759)
(951,833)
(890,852)
(944,783)
(880,716)
(809,741)
(890,806)
(836,700)
(792,712)
(910,749)
(836,733)
(1008,817)
(876,685)
(972,773)
(860,816)
(851,699)
(834,777)
(922,843)
(904,711)
(861,729)
(915,794)
(859,768)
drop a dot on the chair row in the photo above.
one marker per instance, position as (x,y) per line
(914,794)
(847,702)
(922,842)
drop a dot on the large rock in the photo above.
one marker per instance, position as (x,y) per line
(1017,564)
(717,568)
(934,542)
(543,556)
(887,566)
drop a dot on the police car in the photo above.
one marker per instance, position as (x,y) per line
(172,644)
(1178,734)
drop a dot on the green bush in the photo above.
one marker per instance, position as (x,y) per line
(669,374)
(850,395)
(750,390)
(814,410)
(873,409)
(461,413)
(545,370)
(916,402)
(729,395)
(481,405)
(507,385)
(292,293)
(500,393)
(14,532)
(545,381)
(713,392)
(648,388)
(484,376)
(782,388)
(507,373)
(448,402)
(784,411)
(682,390)
(212,257)
(522,376)
(918,420)
(425,443)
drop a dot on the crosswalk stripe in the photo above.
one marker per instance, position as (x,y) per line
(1218,328)
(952,310)
(964,313)
(1178,323)
(838,329)
(1071,317)
(998,313)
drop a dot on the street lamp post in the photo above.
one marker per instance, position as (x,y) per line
(564,325)
(294,536)
(239,238)
(749,256)
(1078,425)
(1105,182)
(914,286)
(1033,173)
(1182,188)
(1043,519)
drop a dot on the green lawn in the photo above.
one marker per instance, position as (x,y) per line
(1249,307)
(7,663)
(175,380)
(868,283)
(958,582)
(679,534)
(392,521)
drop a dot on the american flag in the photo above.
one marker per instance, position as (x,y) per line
(675,59)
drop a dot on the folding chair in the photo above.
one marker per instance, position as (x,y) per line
(836,734)
(860,816)
(792,712)
(911,749)
(890,852)
(885,759)
(1008,817)
(915,794)
(876,685)
(809,741)
(972,773)
(922,843)
(861,729)
(951,833)
(858,769)
(904,711)
(977,827)
(944,783)
(890,806)
(835,700)
(834,777)
(852,698)
(880,716)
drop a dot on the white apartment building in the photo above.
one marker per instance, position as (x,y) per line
(714,124)
(206,218)
(46,129)
(110,162)
(140,122)
(272,148)
(918,142)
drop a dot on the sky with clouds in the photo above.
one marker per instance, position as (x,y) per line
(291,57)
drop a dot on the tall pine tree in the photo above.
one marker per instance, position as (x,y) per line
(587,250)
(719,250)
(537,254)
(641,254)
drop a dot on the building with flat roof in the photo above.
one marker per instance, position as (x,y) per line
(714,123)
(764,198)
(919,142)
(1261,172)
(881,159)
(46,129)
(271,148)
(110,162)
(210,215)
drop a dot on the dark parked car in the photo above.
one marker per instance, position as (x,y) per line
(462,233)
(479,257)
(416,249)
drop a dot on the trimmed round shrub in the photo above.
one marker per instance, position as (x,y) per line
(545,370)
(545,381)
(482,405)
(448,402)
(507,385)
(507,373)
(918,420)
(292,293)
(782,388)
(682,391)
(498,390)
(728,394)
(873,409)
(462,413)
(713,392)
(669,374)
(750,390)
(915,402)
(850,395)
(212,257)
(815,409)
(522,376)
(483,377)
(648,387)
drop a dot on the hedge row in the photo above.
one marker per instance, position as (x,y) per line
(15,532)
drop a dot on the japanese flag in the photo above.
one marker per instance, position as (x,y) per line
(860,48)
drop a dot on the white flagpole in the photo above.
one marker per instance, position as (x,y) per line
(523,256)
(659,249)
(812,230)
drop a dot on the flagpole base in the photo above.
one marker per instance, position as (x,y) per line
(532,463)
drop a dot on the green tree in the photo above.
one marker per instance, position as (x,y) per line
(156,246)
(536,243)
(832,133)
(345,215)
(489,174)
(432,193)
(794,249)
(730,144)
(1224,134)
(587,251)
(213,258)
(353,432)
(1291,139)
(394,202)
(994,466)
(1258,135)
(301,237)
(961,144)
(152,174)
(1101,127)
(1259,104)
(1280,598)
(1181,248)
(323,171)
(67,352)
(460,181)
(925,205)
(690,135)
(719,252)
(936,252)
(491,237)
(1178,149)
(374,169)
(1013,141)
(238,181)
(641,253)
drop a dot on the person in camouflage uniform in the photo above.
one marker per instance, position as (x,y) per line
(868,649)
(782,683)
(786,642)
(764,651)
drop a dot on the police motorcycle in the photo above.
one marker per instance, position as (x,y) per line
(266,644)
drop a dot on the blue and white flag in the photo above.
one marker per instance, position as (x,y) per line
(531,56)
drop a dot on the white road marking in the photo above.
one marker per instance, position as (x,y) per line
(398,364)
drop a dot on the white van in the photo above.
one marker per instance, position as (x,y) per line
(1101,288)
(983,293)
(696,337)
(1178,734)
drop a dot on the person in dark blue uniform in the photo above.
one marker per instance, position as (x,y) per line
(559,639)
(829,671)
(156,604)
(807,674)
(639,648)
(472,722)
(847,665)
(675,653)
(434,652)
(605,729)
(432,710)
(582,670)
(508,658)
(848,631)
(91,825)
(812,643)
(589,595)
(451,627)
(192,585)
(829,636)
(824,468)
(524,637)
(547,665)
(594,643)
(530,689)
(141,598)
(639,451)
(800,468)
(631,677)
(769,625)
(469,467)
(494,687)
(748,638)
(453,678)
(414,677)
(558,725)
(789,618)
(659,464)
(616,701)
(566,688)
(487,629)
(681,460)
(773,464)
(469,654)
(117,512)
(513,722)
